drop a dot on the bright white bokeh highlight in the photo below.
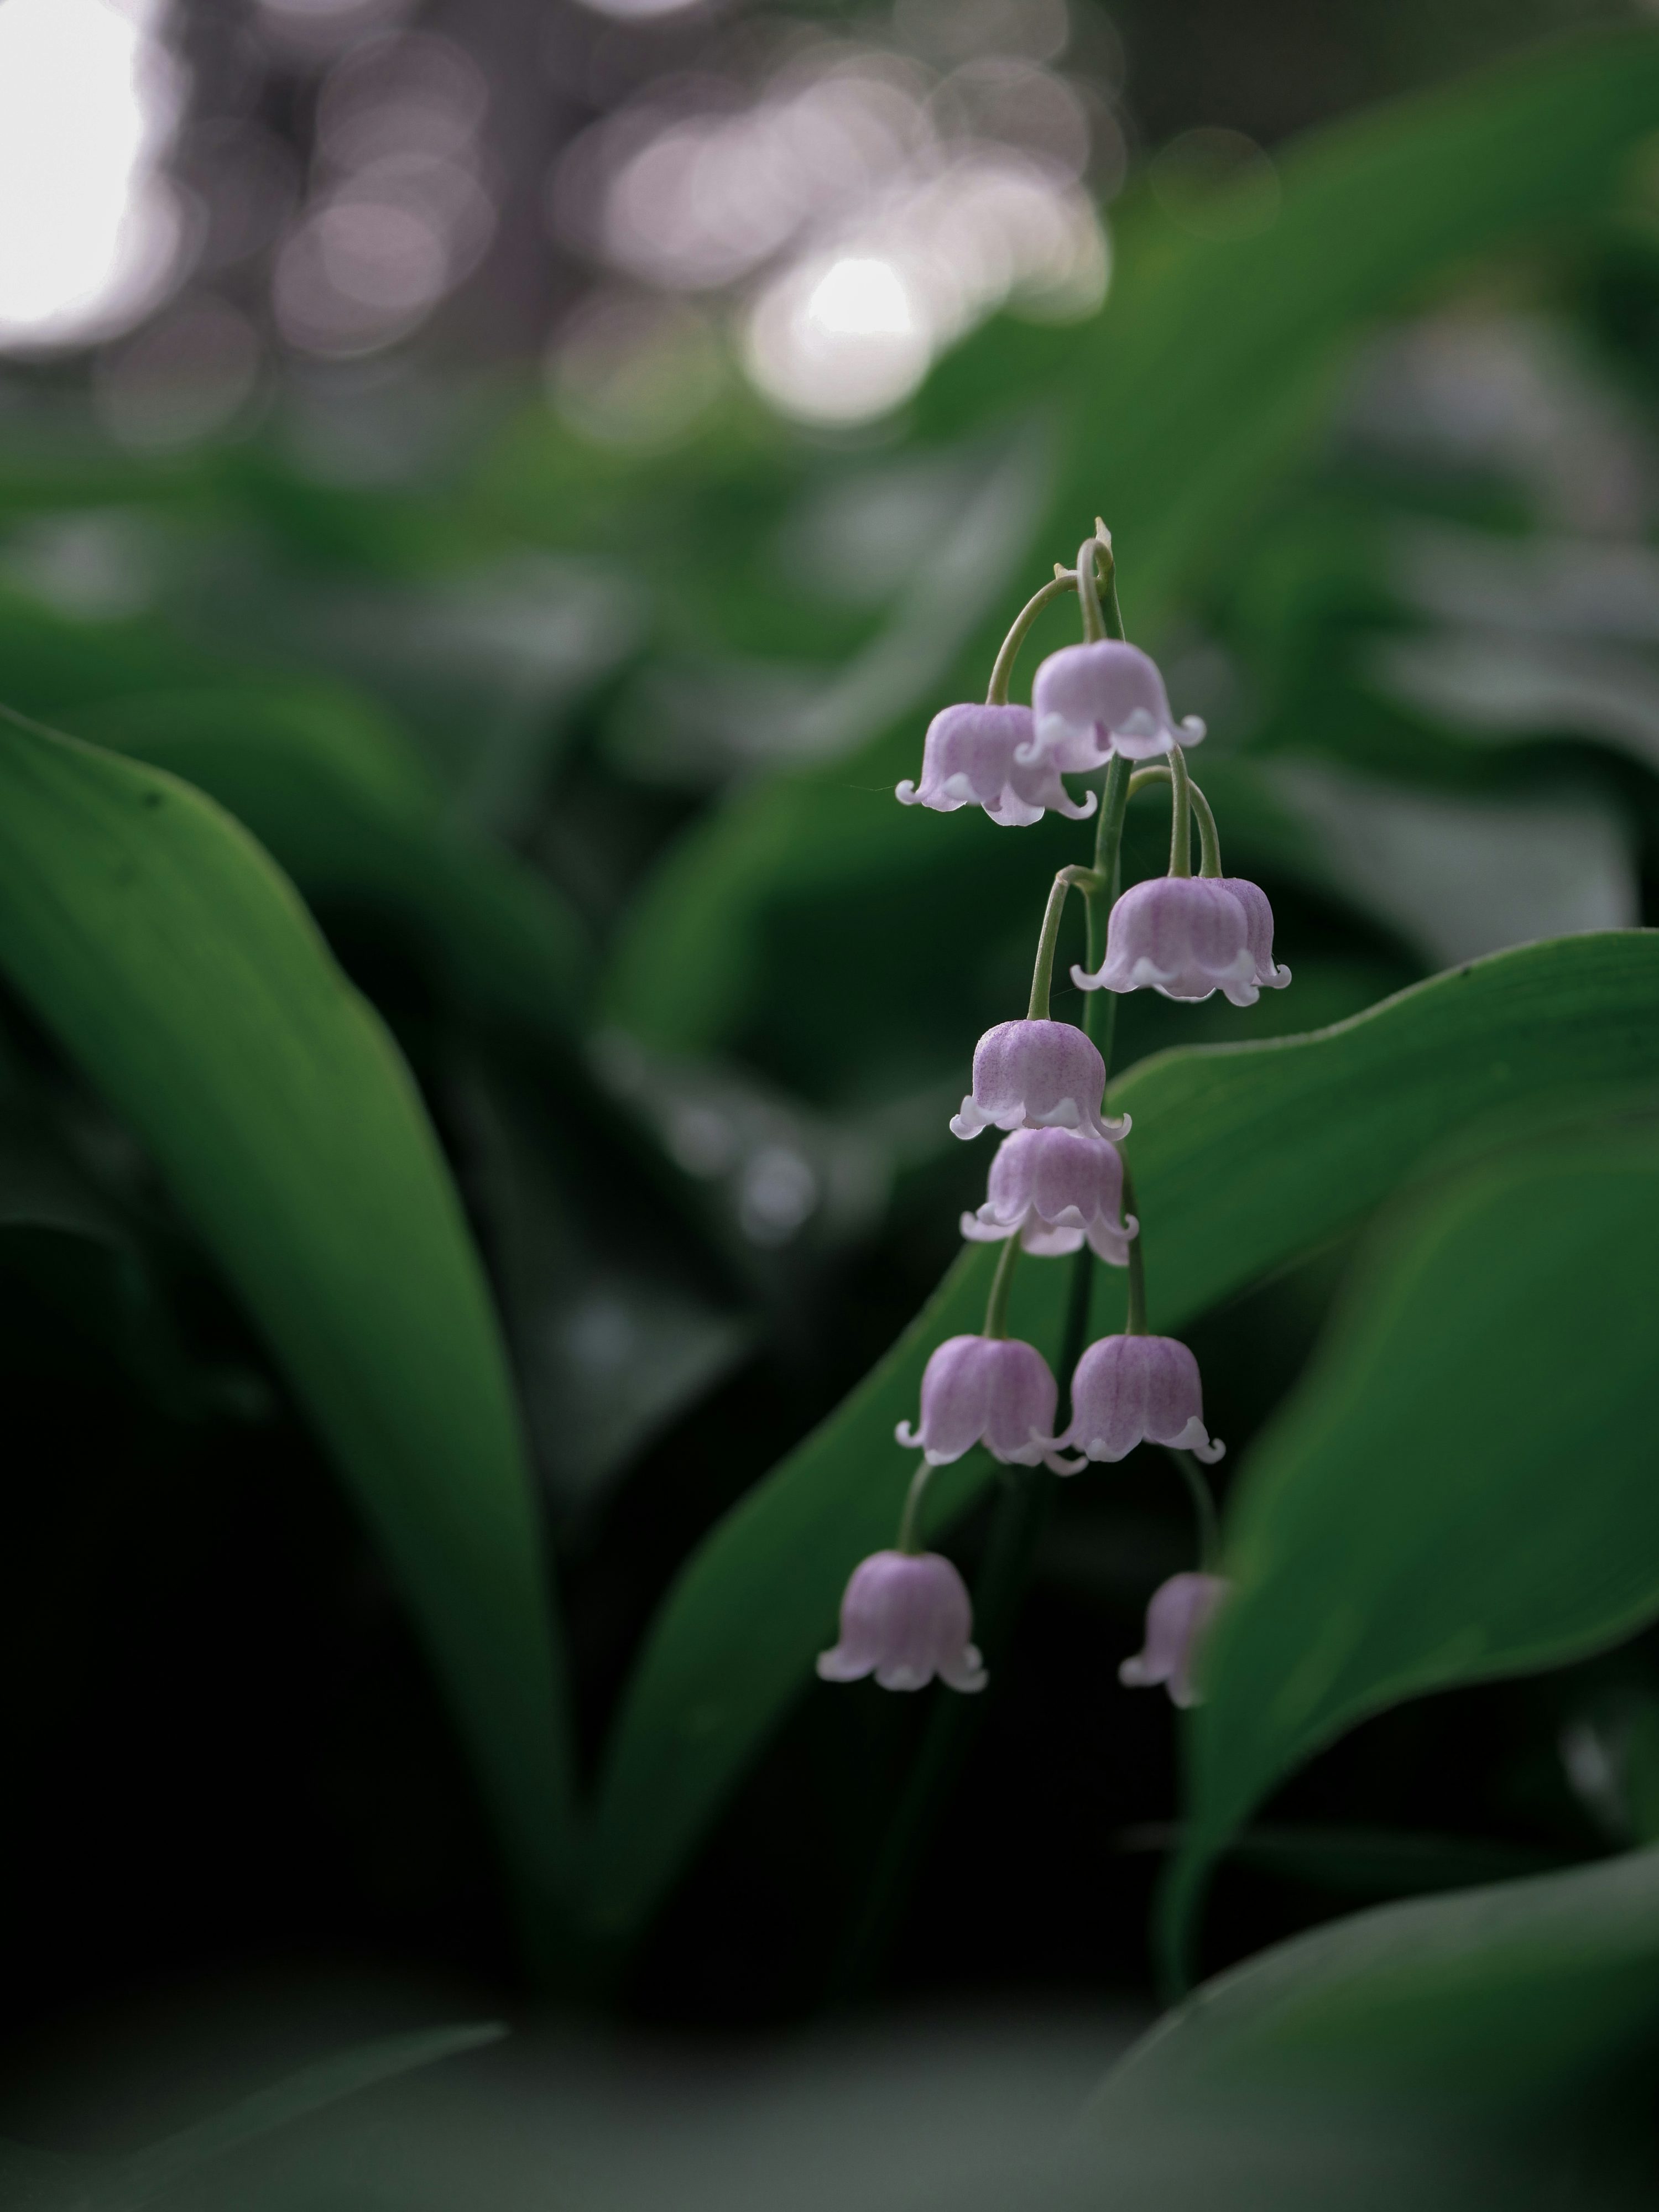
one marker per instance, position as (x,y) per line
(859,207)
(844,335)
(90,232)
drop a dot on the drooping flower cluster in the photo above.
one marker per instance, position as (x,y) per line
(1058,1182)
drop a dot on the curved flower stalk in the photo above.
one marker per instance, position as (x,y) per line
(1180,1610)
(1187,936)
(992,1390)
(1036,1075)
(1056,1189)
(1128,1390)
(1057,1184)
(1094,700)
(905,1617)
(987,757)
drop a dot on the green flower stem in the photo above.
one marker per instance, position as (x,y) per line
(1209,1537)
(1021,1511)
(1042,973)
(909,1540)
(1135,1324)
(1026,1496)
(1111,613)
(1002,670)
(1088,588)
(1100,893)
(1180,815)
(996,1306)
(1209,843)
(1209,838)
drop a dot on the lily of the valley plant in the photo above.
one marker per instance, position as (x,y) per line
(1059,1181)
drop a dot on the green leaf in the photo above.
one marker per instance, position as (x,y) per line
(1462,1485)
(177,966)
(352,815)
(44,2183)
(1211,364)
(1492,2047)
(138,2179)
(1244,1156)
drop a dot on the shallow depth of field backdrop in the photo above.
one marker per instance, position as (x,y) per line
(509,482)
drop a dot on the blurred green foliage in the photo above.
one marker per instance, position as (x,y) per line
(581,761)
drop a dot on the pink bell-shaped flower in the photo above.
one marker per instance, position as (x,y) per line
(993,1390)
(1180,1612)
(1137,1389)
(987,757)
(905,1617)
(1036,1075)
(1259,918)
(1055,1189)
(1093,701)
(1187,936)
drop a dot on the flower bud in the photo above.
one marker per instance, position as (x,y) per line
(1187,936)
(905,1619)
(1036,1075)
(1180,1610)
(1093,701)
(1055,1189)
(1137,1389)
(993,1390)
(987,757)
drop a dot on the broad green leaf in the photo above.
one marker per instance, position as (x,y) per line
(1243,1157)
(1492,2047)
(1462,1485)
(176,965)
(36,2181)
(355,818)
(327,783)
(1212,363)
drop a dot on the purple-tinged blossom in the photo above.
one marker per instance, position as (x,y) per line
(1055,1189)
(1093,701)
(987,757)
(904,1619)
(1180,1610)
(993,1390)
(1258,917)
(1187,936)
(1137,1389)
(1036,1075)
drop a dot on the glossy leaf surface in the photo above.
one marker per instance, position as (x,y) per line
(177,966)
(1243,1157)
(1489,2047)
(1462,1486)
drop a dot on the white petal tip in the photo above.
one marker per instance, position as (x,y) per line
(1084,980)
(1193,729)
(906,1436)
(905,792)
